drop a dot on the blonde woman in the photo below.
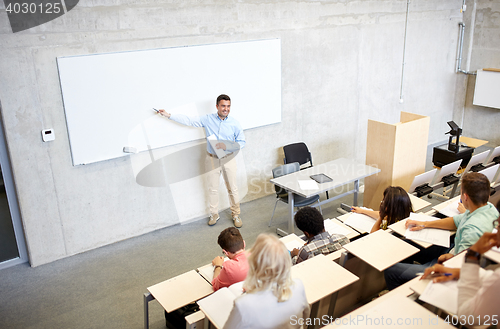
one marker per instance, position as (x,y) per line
(272,299)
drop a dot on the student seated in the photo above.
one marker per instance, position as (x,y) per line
(236,268)
(470,226)
(272,298)
(310,221)
(478,296)
(395,206)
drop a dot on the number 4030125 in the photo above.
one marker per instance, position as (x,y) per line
(484,320)
(33,8)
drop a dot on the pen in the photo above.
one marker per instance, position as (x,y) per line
(156,110)
(434,274)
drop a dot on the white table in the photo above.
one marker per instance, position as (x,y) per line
(341,171)
(400,228)
(177,292)
(321,278)
(352,232)
(417,203)
(445,204)
(386,311)
(493,256)
(379,249)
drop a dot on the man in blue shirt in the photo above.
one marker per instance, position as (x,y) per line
(230,138)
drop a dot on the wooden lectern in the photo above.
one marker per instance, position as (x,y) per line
(399,151)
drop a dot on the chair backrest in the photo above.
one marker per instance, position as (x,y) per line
(282,171)
(297,152)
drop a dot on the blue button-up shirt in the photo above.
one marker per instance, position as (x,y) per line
(227,130)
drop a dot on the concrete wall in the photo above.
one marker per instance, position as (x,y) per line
(481,50)
(341,65)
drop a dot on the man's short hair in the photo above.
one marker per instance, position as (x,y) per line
(222,97)
(477,187)
(231,240)
(310,220)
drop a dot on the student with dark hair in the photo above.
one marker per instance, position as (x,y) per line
(395,206)
(236,268)
(310,221)
(469,226)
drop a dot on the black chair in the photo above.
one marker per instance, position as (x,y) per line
(282,195)
(298,152)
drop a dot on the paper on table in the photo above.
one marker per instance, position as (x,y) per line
(290,245)
(218,305)
(334,228)
(308,185)
(442,295)
(213,142)
(451,209)
(361,222)
(430,235)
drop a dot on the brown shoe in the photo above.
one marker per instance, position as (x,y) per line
(237,221)
(213,219)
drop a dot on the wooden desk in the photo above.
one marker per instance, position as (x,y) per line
(352,233)
(418,286)
(471,142)
(177,292)
(341,171)
(393,309)
(379,249)
(493,256)
(345,217)
(399,228)
(335,256)
(445,204)
(321,278)
(291,240)
(418,203)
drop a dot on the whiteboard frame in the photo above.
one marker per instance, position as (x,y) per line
(108,98)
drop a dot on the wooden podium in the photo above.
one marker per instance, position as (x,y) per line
(399,150)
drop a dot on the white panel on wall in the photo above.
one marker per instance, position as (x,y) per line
(487,91)
(108,96)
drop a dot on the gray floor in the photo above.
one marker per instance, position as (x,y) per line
(103,288)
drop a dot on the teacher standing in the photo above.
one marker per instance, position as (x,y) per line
(230,137)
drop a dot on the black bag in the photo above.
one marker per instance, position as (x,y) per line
(176,319)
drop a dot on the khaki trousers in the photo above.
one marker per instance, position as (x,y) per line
(215,167)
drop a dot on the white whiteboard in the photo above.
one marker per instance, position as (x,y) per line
(487,90)
(108,98)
